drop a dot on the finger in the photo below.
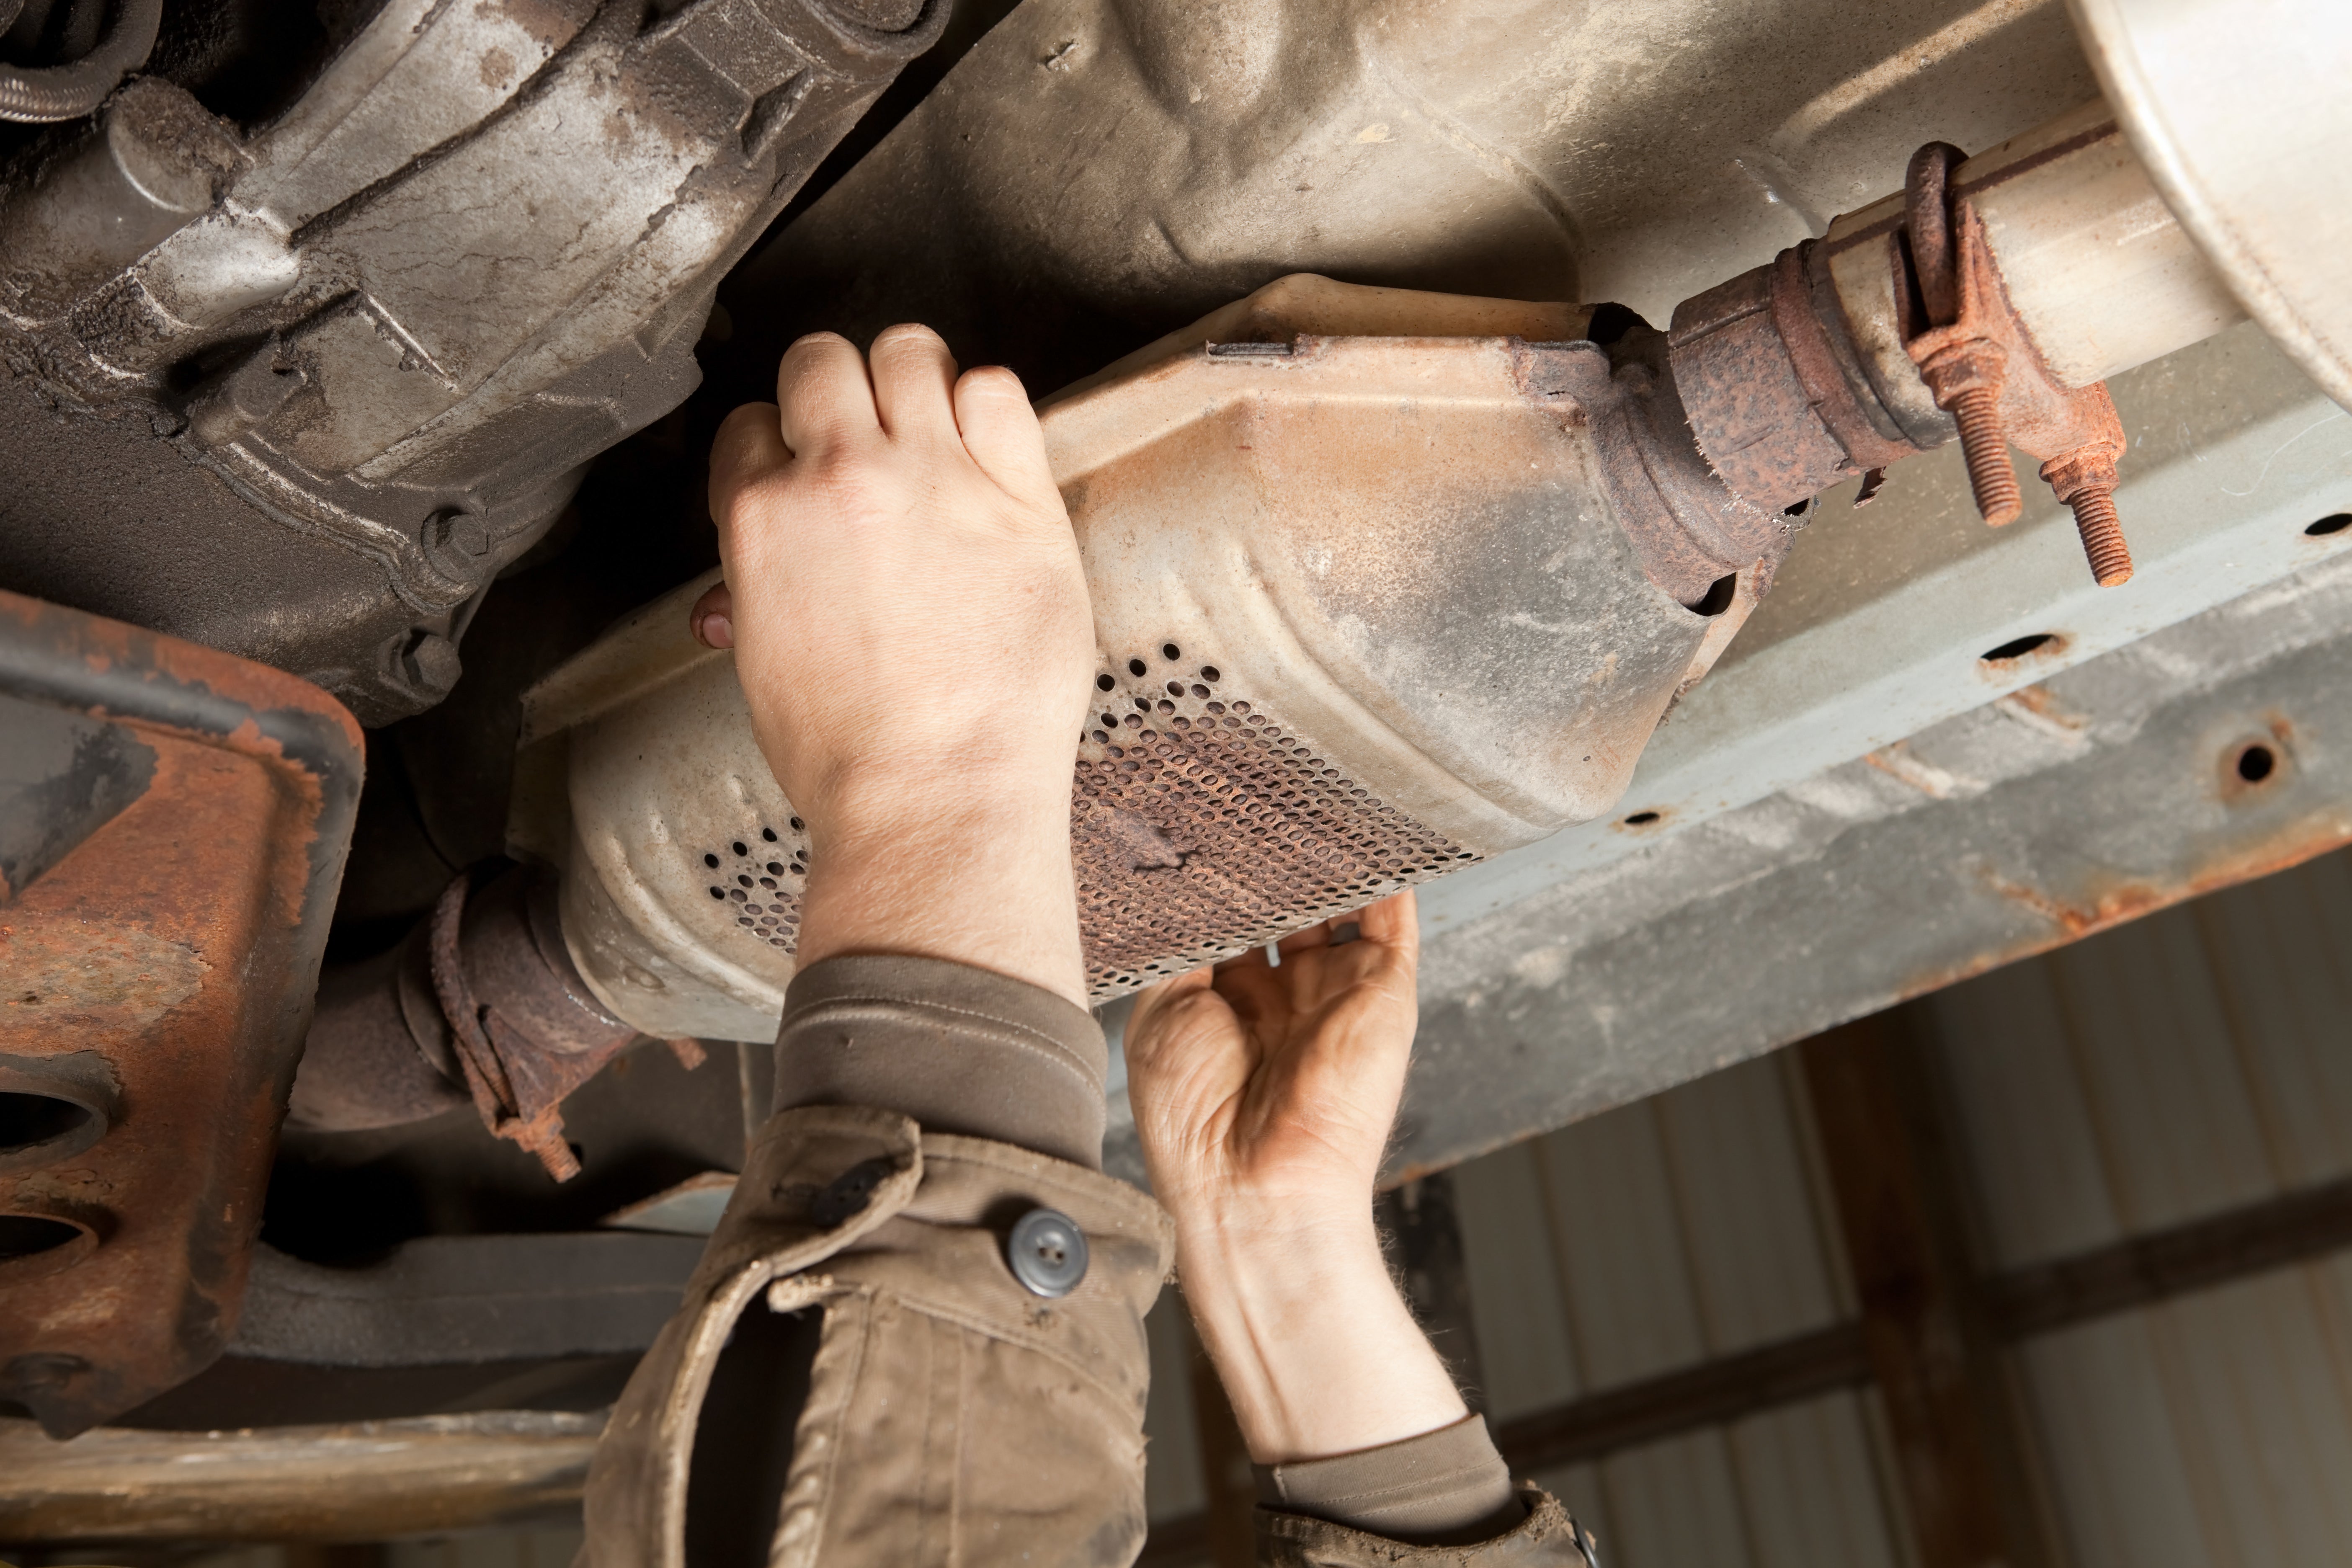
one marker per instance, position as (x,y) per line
(713,617)
(1393,922)
(914,383)
(749,446)
(1146,1028)
(1316,935)
(1000,432)
(824,394)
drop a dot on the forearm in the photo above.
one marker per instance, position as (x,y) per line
(959,868)
(1318,1352)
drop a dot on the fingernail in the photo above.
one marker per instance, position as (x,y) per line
(717,631)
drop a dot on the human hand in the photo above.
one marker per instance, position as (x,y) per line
(1264,1098)
(911,628)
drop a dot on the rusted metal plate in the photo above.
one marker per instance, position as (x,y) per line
(155,978)
(365,1481)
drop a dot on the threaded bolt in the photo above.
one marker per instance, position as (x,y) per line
(2103,534)
(1985,447)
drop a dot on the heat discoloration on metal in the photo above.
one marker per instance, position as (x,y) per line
(179,943)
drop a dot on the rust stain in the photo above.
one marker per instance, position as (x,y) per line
(2072,918)
(174,944)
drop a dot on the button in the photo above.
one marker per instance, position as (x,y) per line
(1047,1251)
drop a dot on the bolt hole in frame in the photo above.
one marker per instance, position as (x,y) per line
(2333,523)
(1641,819)
(2016,648)
(24,1235)
(43,1121)
(2256,763)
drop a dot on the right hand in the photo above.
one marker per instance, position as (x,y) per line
(911,627)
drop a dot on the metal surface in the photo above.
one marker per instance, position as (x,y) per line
(339,371)
(1104,171)
(447,1300)
(366,1481)
(67,90)
(1368,608)
(481,1002)
(2099,795)
(155,977)
(2238,111)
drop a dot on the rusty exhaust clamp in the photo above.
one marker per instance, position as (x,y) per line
(1977,361)
(1789,394)
(481,1004)
(173,826)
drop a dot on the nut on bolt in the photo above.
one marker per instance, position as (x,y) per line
(1981,365)
(2084,479)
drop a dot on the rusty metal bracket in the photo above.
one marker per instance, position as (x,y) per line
(517,1082)
(1982,368)
(173,826)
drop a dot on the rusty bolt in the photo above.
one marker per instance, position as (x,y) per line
(2084,479)
(1964,372)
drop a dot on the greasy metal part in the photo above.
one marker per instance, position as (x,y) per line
(155,977)
(1370,609)
(2239,115)
(480,1003)
(39,94)
(341,372)
(371,1480)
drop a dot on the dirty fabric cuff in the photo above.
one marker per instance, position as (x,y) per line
(958,1049)
(1446,1488)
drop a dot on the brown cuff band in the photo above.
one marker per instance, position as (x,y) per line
(1446,1488)
(959,1049)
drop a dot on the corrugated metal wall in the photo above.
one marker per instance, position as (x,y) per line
(2193,1062)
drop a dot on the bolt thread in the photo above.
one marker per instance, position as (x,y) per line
(1985,449)
(2103,536)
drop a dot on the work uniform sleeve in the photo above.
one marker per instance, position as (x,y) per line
(1444,1497)
(916,1336)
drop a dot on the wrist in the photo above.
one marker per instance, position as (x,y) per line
(1318,1354)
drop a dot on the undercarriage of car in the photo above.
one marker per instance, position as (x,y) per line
(1758,510)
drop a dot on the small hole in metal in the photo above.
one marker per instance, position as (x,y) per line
(2256,763)
(1169,651)
(2018,647)
(1104,682)
(2333,522)
(711,861)
(1135,667)
(741,848)
(767,833)
(1208,672)
(27,1120)
(27,1236)
(1641,819)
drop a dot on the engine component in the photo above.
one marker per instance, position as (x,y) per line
(480,1003)
(1369,607)
(69,89)
(172,828)
(368,347)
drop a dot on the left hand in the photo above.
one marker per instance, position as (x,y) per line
(1264,1097)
